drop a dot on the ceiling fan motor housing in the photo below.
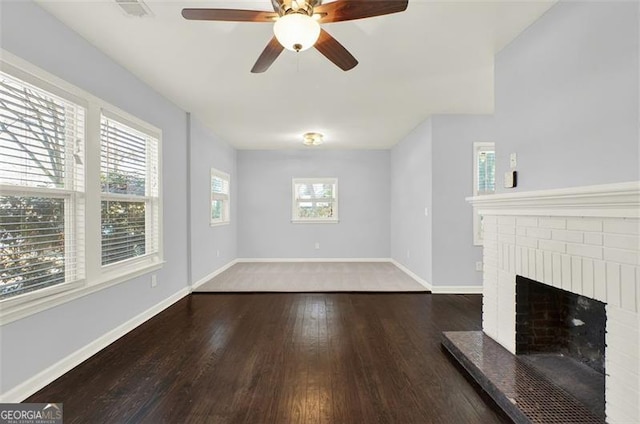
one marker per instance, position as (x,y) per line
(285,7)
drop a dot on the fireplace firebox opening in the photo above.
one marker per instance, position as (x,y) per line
(562,335)
(550,320)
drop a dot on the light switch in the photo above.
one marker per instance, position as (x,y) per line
(513,160)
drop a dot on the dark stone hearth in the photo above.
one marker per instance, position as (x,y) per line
(574,377)
(523,392)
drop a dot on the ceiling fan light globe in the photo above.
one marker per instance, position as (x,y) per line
(296,31)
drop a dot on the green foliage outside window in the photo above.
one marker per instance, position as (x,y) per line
(31,243)
(123,230)
(216,209)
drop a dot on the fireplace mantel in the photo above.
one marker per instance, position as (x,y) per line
(609,200)
(585,240)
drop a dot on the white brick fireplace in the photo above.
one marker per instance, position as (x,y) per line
(584,240)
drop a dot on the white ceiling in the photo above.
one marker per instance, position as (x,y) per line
(434,58)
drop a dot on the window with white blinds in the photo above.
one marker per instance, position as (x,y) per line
(484,180)
(129,186)
(315,200)
(42,184)
(62,237)
(486,170)
(220,193)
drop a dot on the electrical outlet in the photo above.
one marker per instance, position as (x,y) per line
(218,253)
(154,280)
(317,245)
(478,266)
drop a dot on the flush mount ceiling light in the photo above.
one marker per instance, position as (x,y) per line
(296,31)
(312,139)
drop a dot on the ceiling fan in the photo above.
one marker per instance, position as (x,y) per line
(297,25)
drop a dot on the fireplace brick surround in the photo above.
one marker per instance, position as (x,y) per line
(583,240)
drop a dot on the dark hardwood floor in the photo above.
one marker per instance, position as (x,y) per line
(282,358)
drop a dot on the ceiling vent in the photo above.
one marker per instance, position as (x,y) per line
(134,7)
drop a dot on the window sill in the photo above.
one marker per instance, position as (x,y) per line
(34,302)
(315,221)
(219,224)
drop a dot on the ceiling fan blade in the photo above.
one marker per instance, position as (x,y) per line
(231,15)
(348,10)
(268,56)
(334,51)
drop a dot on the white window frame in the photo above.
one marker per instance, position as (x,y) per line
(96,277)
(224,197)
(150,199)
(73,197)
(478,147)
(295,218)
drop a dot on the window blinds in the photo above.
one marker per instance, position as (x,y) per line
(129,184)
(41,176)
(219,185)
(486,172)
(41,137)
(314,191)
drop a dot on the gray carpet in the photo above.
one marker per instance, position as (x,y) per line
(312,277)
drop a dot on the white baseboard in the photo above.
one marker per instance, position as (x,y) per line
(213,274)
(411,274)
(457,290)
(313,260)
(38,381)
(438,289)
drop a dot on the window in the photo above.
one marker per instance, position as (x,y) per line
(220,204)
(41,178)
(315,200)
(129,187)
(484,180)
(80,205)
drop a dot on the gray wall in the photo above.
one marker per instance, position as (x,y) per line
(32,344)
(454,255)
(432,167)
(209,151)
(411,176)
(567,97)
(264,204)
